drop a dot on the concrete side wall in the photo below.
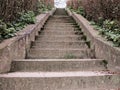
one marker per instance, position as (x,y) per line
(18,46)
(103,48)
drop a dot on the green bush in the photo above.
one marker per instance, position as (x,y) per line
(27,18)
(81,11)
(110,30)
(8,30)
(42,7)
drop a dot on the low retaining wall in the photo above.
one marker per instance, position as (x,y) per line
(103,48)
(18,46)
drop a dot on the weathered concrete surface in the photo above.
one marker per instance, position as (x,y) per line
(59,53)
(60,38)
(103,48)
(58,74)
(58,65)
(76,80)
(60,41)
(59,44)
(18,46)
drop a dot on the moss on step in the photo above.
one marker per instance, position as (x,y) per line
(69,56)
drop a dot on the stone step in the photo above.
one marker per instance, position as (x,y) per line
(59,44)
(64,25)
(76,80)
(60,53)
(57,32)
(72,31)
(60,25)
(62,21)
(58,16)
(61,28)
(61,17)
(61,38)
(59,65)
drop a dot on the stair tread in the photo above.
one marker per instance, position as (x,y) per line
(58,74)
(72,35)
(57,65)
(37,41)
(61,49)
(52,60)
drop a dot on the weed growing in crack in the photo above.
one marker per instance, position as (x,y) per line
(70,56)
(105,63)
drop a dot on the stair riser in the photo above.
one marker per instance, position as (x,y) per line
(60,83)
(60,31)
(32,66)
(61,18)
(69,23)
(57,25)
(59,38)
(59,45)
(58,54)
(57,33)
(60,21)
(60,25)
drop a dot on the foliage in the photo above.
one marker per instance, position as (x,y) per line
(8,30)
(42,7)
(103,14)
(81,11)
(28,17)
(16,14)
(107,9)
(9,8)
(110,30)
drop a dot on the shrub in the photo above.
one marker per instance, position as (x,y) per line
(104,14)
(110,30)
(107,9)
(9,8)
(8,30)
(28,17)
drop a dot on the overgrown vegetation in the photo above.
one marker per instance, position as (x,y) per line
(103,14)
(70,56)
(79,10)
(8,30)
(16,14)
(42,7)
(105,63)
(110,30)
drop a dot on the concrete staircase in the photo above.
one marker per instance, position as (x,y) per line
(60,59)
